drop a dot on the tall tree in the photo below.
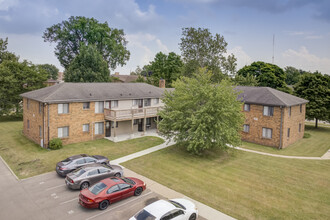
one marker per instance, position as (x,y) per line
(199,49)
(316,89)
(4,54)
(267,74)
(293,75)
(88,66)
(50,69)
(76,31)
(201,115)
(166,67)
(249,80)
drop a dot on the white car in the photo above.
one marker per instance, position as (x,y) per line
(176,209)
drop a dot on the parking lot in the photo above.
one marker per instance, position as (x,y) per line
(57,201)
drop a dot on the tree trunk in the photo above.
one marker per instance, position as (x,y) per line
(316,120)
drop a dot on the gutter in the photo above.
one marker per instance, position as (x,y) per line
(281,128)
(43,127)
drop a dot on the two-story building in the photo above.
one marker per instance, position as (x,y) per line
(272,117)
(77,112)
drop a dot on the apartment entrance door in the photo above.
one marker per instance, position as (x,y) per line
(140,125)
(107,129)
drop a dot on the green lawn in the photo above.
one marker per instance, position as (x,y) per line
(243,185)
(28,159)
(314,146)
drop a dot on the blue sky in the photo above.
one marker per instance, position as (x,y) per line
(301,27)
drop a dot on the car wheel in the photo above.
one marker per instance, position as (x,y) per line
(117,175)
(104,204)
(138,191)
(84,185)
(193,216)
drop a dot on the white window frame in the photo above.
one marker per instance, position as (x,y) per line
(63,132)
(247,107)
(246,128)
(85,127)
(267,133)
(99,128)
(268,110)
(63,108)
(99,107)
(89,105)
(114,104)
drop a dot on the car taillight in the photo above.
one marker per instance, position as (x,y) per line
(63,168)
(71,181)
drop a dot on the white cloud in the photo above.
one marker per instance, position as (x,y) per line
(242,57)
(303,59)
(6,4)
(314,37)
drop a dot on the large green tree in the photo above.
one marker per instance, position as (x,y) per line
(201,115)
(4,53)
(199,49)
(76,31)
(248,80)
(88,66)
(316,89)
(50,69)
(166,67)
(267,74)
(293,75)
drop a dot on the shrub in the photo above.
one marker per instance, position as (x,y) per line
(307,135)
(55,144)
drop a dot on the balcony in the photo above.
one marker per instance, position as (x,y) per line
(130,114)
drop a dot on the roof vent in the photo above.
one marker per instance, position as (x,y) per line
(150,92)
(90,94)
(130,94)
(121,94)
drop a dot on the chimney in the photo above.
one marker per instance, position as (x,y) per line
(116,73)
(162,83)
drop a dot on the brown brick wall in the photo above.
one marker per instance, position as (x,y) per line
(292,122)
(257,121)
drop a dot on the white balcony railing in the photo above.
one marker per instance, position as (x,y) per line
(128,114)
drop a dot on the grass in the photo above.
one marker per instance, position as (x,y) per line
(241,184)
(314,146)
(27,159)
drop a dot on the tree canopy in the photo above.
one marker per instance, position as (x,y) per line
(50,69)
(88,66)
(267,74)
(315,87)
(4,54)
(201,115)
(166,67)
(293,75)
(71,34)
(199,49)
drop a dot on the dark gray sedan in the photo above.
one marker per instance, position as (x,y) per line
(71,163)
(88,175)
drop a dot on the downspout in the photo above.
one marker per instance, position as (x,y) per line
(43,127)
(281,128)
(48,123)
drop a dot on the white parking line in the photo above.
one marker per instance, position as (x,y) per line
(94,216)
(55,187)
(71,200)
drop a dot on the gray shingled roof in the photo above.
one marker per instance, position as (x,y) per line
(267,96)
(79,92)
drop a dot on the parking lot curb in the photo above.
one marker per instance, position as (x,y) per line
(12,172)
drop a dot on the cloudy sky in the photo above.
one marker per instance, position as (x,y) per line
(301,27)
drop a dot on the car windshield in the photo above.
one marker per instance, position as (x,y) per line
(66,161)
(144,215)
(129,181)
(178,205)
(79,172)
(97,188)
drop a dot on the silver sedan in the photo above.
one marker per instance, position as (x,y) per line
(88,175)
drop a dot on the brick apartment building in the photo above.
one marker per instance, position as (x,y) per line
(77,112)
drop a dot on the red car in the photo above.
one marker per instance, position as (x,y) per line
(110,190)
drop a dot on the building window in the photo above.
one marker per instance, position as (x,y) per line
(267,132)
(288,132)
(99,128)
(27,103)
(114,104)
(86,105)
(112,124)
(247,107)
(300,108)
(135,121)
(156,101)
(63,108)
(99,107)
(289,111)
(40,131)
(147,102)
(246,128)
(268,111)
(63,132)
(28,124)
(299,127)
(148,122)
(85,127)
(40,107)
